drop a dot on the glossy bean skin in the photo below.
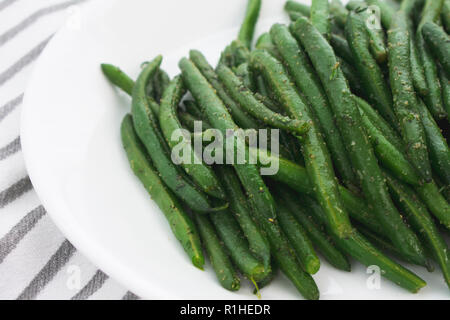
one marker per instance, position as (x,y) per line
(225,272)
(181,224)
(439,43)
(315,153)
(147,129)
(357,144)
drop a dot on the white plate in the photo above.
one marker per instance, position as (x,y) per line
(72,148)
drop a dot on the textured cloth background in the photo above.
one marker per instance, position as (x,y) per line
(36,262)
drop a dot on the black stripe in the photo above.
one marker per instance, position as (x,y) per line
(23,62)
(9,242)
(10,149)
(92,286)
(130,296)
(15,191)
(27,22)
(48,272)
(10,106)
(6,3)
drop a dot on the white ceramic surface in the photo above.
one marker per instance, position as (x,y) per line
(71,143)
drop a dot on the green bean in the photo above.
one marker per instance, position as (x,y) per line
(298,7)
(363,251)
(247,101)
(436,203)
(180,223)
(357,144)
(306,80)
(446,15)
(242,119)
(159,83)
(192,108)
(188,121)
(218,116)
(340,46)
(387,13)
(315,153)
(246,75)
(439,44)
(118,78)
(239,208)
(217,255)
(298,238)
(445,90)
(320,240)
(146,126)
(369,72)
(352,5)
(320,16)
(405,101)
(265,43)
(433,99)
(248,26)
(339,13)
(240,52)
(437,144)
(169,123)
(422,222)
(229,231)
(350,74)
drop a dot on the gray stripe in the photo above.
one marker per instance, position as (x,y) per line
(15,191)
(92,286)
(9,242)
(23,62)
(48,272)
(6,3)
(10,149)
(11,33)
(10,106)
(130,296)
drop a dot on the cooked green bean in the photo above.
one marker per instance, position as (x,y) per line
(439,43)
(298,238)
(248,26)
(339,13)
(147,129)
(340,46)
(303,74)
(320,16)
(202,174)
(446,15)
(320,240)
(387,13)
(180,223)
(220,261)
(239,208)
(299,7)
(118,78)
(187,120)
(242,119)
(247,101)
(315,153)
(420,219)
(246,75)
(231,234)
(363,251)
(357,144)
(350,74)
(436,203)
(265,43)
(369,72)
(405,101)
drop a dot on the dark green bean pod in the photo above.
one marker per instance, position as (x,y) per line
(357,144)
(242,119)
(203,175)
(258,245)
(387,13)
(118,78)
(246,76)
(421,221)
(320,16)
(298,7)
(315,153)
(303,73)
(182,226)
(446,15)
(439,43)
(340,46)
(405,101)
(247,101)
(147,128)
(158,84)
(363,251)
(367,68)
(320,240)
(187,120)
(248,26)
(231,234)
(218,256)
(437,144)
(219,117)
(445,85)
(436,203)
(298,238)
(352,77)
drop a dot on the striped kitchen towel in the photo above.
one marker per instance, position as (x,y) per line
(36,262)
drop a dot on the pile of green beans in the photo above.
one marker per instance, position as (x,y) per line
(361,104)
